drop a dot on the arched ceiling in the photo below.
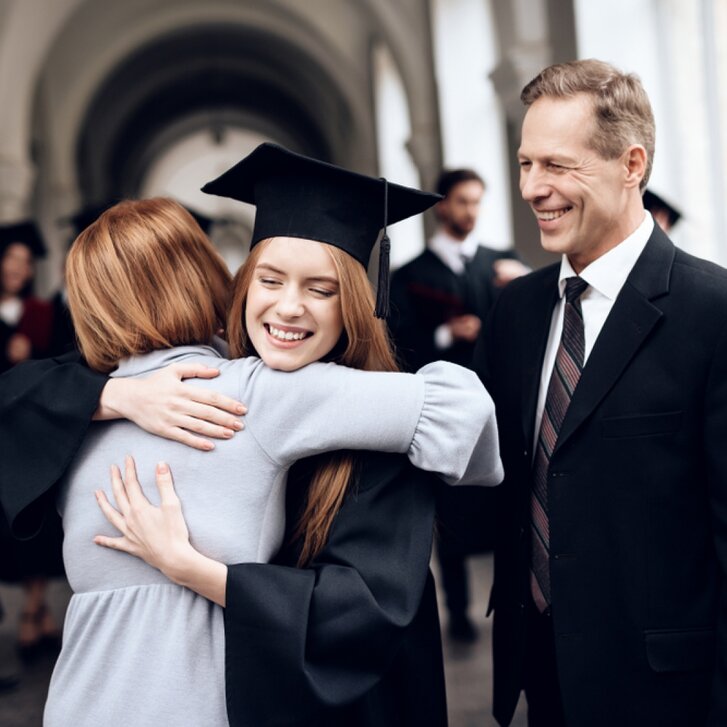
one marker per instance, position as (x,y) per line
(207,75)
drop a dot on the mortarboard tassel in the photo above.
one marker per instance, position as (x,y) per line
(382,290)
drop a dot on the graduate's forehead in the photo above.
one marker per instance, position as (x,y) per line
(298,256)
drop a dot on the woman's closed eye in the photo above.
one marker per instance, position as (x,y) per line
(266,280)
(323,292)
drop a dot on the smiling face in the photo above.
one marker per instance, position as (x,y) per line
(17,268)
(584,204)
(293,312)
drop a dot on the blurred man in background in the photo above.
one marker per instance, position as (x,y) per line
(439,304)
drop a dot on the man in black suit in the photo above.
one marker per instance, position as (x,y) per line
(441,297)
(439,301)
(610,596)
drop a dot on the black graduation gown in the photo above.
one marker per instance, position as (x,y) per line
(351,640)
(425,293)
(27,464)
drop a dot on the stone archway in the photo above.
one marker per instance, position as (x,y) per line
(204,77)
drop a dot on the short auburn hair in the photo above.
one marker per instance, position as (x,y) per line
(621,109)
(144,277)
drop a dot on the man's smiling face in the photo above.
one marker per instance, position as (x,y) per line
(579,198)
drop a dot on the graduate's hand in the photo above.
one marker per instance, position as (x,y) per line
(158,535)
(163,405)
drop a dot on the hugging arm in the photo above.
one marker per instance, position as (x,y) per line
(441,417)
(46,407)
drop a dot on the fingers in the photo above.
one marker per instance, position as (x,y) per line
(208,414)
(122,544)
(131,484)
(212,398)
(215,400)
(203,428)
(165,485)
(117,487)
(109,513)
(194,371)
(177,434)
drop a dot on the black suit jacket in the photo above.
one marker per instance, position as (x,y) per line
(637,497)
(426,293)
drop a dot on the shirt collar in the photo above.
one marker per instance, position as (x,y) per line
(451,251)
(607,274)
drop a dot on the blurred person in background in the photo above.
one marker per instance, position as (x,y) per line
(25,321)
(439,303)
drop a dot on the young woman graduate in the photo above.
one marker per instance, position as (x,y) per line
(321,639)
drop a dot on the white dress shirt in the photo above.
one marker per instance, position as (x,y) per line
(605,277)
(453,253)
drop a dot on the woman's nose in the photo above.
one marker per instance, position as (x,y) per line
(290,303)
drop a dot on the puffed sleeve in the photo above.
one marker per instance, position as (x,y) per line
(442,417)
(456,436)
(45,410)
(307,642)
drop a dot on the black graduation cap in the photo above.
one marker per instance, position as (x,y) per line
(297,196)
(653,201)
(26,232)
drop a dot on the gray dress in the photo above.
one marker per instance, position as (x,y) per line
(139,650)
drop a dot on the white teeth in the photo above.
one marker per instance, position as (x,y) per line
(285,335)
(547,215)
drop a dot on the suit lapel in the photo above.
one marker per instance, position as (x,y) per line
(628,325)
(535,327)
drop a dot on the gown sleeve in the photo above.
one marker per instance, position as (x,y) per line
(442,417)
(45,410)
(307,642)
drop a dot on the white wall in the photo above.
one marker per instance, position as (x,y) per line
(393,133)
(471,118)
(664,42)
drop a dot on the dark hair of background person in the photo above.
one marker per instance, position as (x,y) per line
(450,178)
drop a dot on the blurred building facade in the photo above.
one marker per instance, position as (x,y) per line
(102,99)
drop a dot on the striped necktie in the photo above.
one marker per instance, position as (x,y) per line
(563,381)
